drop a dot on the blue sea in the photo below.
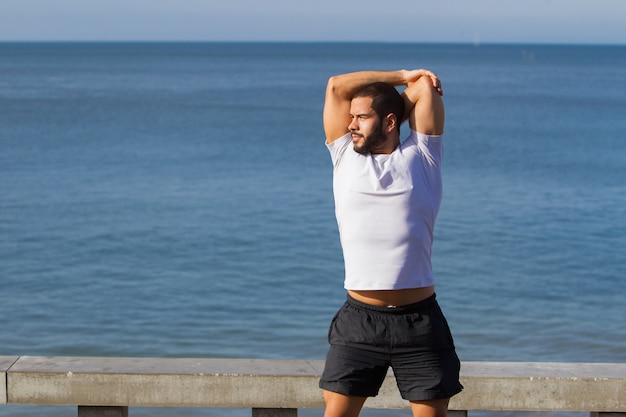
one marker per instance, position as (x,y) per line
(174,200)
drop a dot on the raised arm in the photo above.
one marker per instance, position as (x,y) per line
(424,106)
(341,88)
(339,92)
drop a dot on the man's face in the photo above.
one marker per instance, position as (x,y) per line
(366,126)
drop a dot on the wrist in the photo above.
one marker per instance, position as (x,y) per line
(404,77)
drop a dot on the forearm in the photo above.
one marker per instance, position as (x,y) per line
(344,86)
(411,96)
(424,107)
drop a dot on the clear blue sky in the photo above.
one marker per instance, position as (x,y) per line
(483,21)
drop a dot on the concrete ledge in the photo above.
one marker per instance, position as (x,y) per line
(5,364)
(537,386)
(171,382)
(259,383)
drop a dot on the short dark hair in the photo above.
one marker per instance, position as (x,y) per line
(385,99)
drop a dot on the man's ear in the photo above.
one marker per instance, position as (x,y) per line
(391,122)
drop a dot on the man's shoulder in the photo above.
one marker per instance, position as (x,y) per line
(426,148)
(338,148)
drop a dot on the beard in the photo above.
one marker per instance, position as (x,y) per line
(371,141)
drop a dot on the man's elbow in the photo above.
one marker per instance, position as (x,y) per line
(337,88)
(332,86)
(424,87)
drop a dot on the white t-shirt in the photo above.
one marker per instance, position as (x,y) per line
(386,207)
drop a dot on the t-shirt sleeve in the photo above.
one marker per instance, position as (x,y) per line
(338,148)
(429,146)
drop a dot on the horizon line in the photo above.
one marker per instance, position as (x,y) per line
(251,41)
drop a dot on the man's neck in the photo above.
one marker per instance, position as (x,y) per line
(388,147)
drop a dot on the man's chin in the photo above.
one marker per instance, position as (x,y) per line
(359,145)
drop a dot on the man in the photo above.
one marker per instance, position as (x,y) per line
(387,195)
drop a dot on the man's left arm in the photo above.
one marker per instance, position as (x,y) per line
(424,105)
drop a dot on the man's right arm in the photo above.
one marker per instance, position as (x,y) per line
(339,92)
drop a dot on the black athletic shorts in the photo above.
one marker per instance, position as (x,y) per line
(414,340)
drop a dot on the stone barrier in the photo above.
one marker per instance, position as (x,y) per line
(102,387)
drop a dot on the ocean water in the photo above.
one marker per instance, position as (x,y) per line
(174,200)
